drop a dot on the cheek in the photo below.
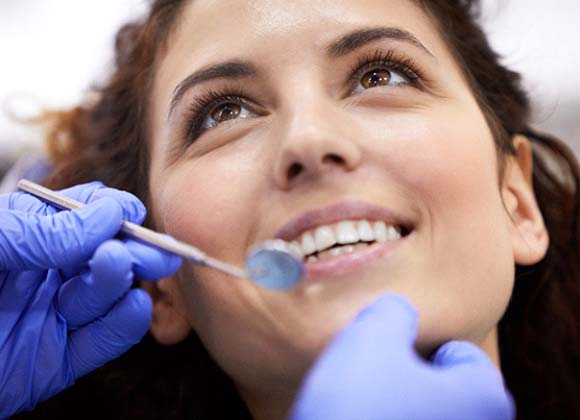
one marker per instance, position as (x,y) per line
(206,202)
(463,257)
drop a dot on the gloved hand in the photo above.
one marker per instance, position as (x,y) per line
(66,303)
(371,371)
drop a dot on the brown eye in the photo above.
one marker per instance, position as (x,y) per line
(377,77)
(226,112)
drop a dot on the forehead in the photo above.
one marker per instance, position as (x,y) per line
(210,29)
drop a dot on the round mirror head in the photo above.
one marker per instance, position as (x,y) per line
(274,265)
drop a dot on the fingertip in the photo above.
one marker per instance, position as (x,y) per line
(391,306)
(111,256)
(133,209)
(106,211)
(391,320)
(82,192)
(457,352)
(150,263)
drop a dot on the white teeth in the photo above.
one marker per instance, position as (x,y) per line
(346,233)
(324,237)
(392,234)
(365,231)
(295,246)
(308,244)
(311,258)
(380,229)
(334,252)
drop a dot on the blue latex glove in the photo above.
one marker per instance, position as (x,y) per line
(371,371)
(66,303)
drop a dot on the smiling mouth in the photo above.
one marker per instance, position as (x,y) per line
(345,237)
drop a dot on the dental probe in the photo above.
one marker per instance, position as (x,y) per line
(271,264)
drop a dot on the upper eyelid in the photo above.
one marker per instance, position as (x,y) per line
(352,71)
(395,59)
(365,68)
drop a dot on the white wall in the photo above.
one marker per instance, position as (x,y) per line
(51,51)
(541,40)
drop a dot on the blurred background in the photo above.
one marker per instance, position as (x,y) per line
(52,51)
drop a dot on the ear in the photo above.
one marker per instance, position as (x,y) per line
(529,235)
(170,324)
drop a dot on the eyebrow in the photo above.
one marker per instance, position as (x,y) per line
(236,69)
(358,38)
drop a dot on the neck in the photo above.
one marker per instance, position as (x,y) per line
(490,346)
(273,403)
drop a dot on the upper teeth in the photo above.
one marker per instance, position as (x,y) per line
(345,232)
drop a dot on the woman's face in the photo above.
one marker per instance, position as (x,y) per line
(331,111)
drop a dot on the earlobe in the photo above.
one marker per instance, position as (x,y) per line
(529,234)
(170,324)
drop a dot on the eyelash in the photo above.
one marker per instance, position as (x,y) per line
(200,109)
(203,105)
(389,59)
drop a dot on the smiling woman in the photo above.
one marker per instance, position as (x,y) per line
(385,142)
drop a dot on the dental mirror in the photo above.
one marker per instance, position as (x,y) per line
(274,265)
(271,264)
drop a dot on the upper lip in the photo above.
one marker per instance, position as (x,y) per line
(344,210)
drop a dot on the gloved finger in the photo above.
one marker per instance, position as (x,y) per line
(383,331)
(112,335)
(133,209)
(378,341)
(28,203)
(69,238)
(390,321)
(91,295)
(150,263)
(17,291)
(454,353)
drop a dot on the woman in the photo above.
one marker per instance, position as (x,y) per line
(389,123)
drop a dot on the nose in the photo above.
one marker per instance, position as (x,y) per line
(313,145)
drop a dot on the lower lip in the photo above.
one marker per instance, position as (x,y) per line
(349,261)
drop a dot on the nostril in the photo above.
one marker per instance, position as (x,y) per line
(332,158)
(294,170)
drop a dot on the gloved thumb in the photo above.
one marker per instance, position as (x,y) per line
(69,238)
(454,353)
(463,361)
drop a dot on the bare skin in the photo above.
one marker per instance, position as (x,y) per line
(308,135)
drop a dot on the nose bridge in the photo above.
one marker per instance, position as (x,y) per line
(310,141)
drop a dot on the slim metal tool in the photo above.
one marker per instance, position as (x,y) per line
(271,264)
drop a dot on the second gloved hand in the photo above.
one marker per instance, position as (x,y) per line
(371,371)
(65,290)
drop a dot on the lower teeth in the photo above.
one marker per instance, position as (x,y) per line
(336,251)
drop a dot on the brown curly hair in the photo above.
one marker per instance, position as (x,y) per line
(106,139)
